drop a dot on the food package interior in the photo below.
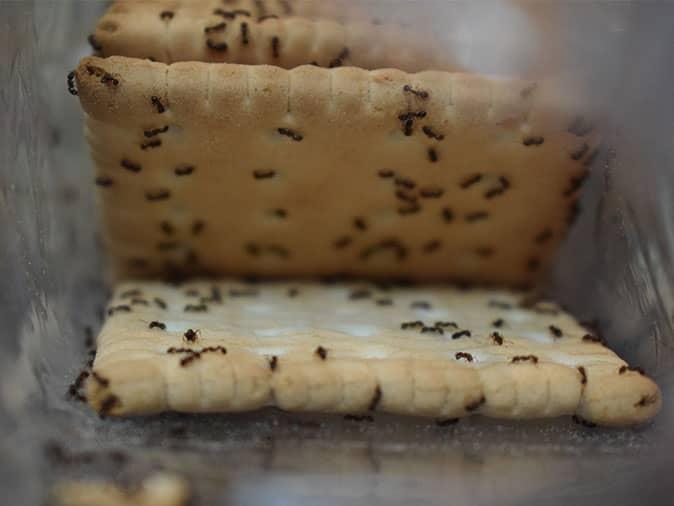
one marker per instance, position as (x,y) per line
(616,267)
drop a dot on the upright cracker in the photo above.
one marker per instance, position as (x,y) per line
(281,33)
(232,169)
(356,348)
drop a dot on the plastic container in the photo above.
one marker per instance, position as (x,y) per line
(617,266)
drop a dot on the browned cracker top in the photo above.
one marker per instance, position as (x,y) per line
(223,168)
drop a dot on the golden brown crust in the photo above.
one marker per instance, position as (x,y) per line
(320,33)
(239,158)
(159,489)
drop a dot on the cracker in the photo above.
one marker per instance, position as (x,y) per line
(286,34)
(356,348)
(231,169)
(159,489)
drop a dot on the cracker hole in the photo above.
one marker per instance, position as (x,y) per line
(277,214)
(484,251)
(108,26)
(431,246)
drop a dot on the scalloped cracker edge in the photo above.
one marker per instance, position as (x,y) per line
(221,169)
(350,348)
(276,33)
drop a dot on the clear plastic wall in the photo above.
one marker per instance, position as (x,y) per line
(616,267)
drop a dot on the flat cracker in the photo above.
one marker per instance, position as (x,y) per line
(356,348)
(233,169)
(159,489)
(282,33)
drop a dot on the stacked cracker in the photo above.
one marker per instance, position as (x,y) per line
(227,169)
(357,348)
(283,33)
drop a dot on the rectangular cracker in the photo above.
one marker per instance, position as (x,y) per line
(356,348)
(158,489)
(234,169)
(281,33)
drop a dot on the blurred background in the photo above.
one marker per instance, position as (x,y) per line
(616,267)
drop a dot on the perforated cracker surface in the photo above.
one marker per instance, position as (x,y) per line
(230,169)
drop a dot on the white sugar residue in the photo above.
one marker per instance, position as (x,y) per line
(347,310)
(539,337)
(566,359)
(375,353)
(259,308)
(278,331)
(270,351)
(178,325)
(433,314)
(355,330)
(518,316)
(485,357)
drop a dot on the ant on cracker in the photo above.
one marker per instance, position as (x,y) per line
(191,336)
